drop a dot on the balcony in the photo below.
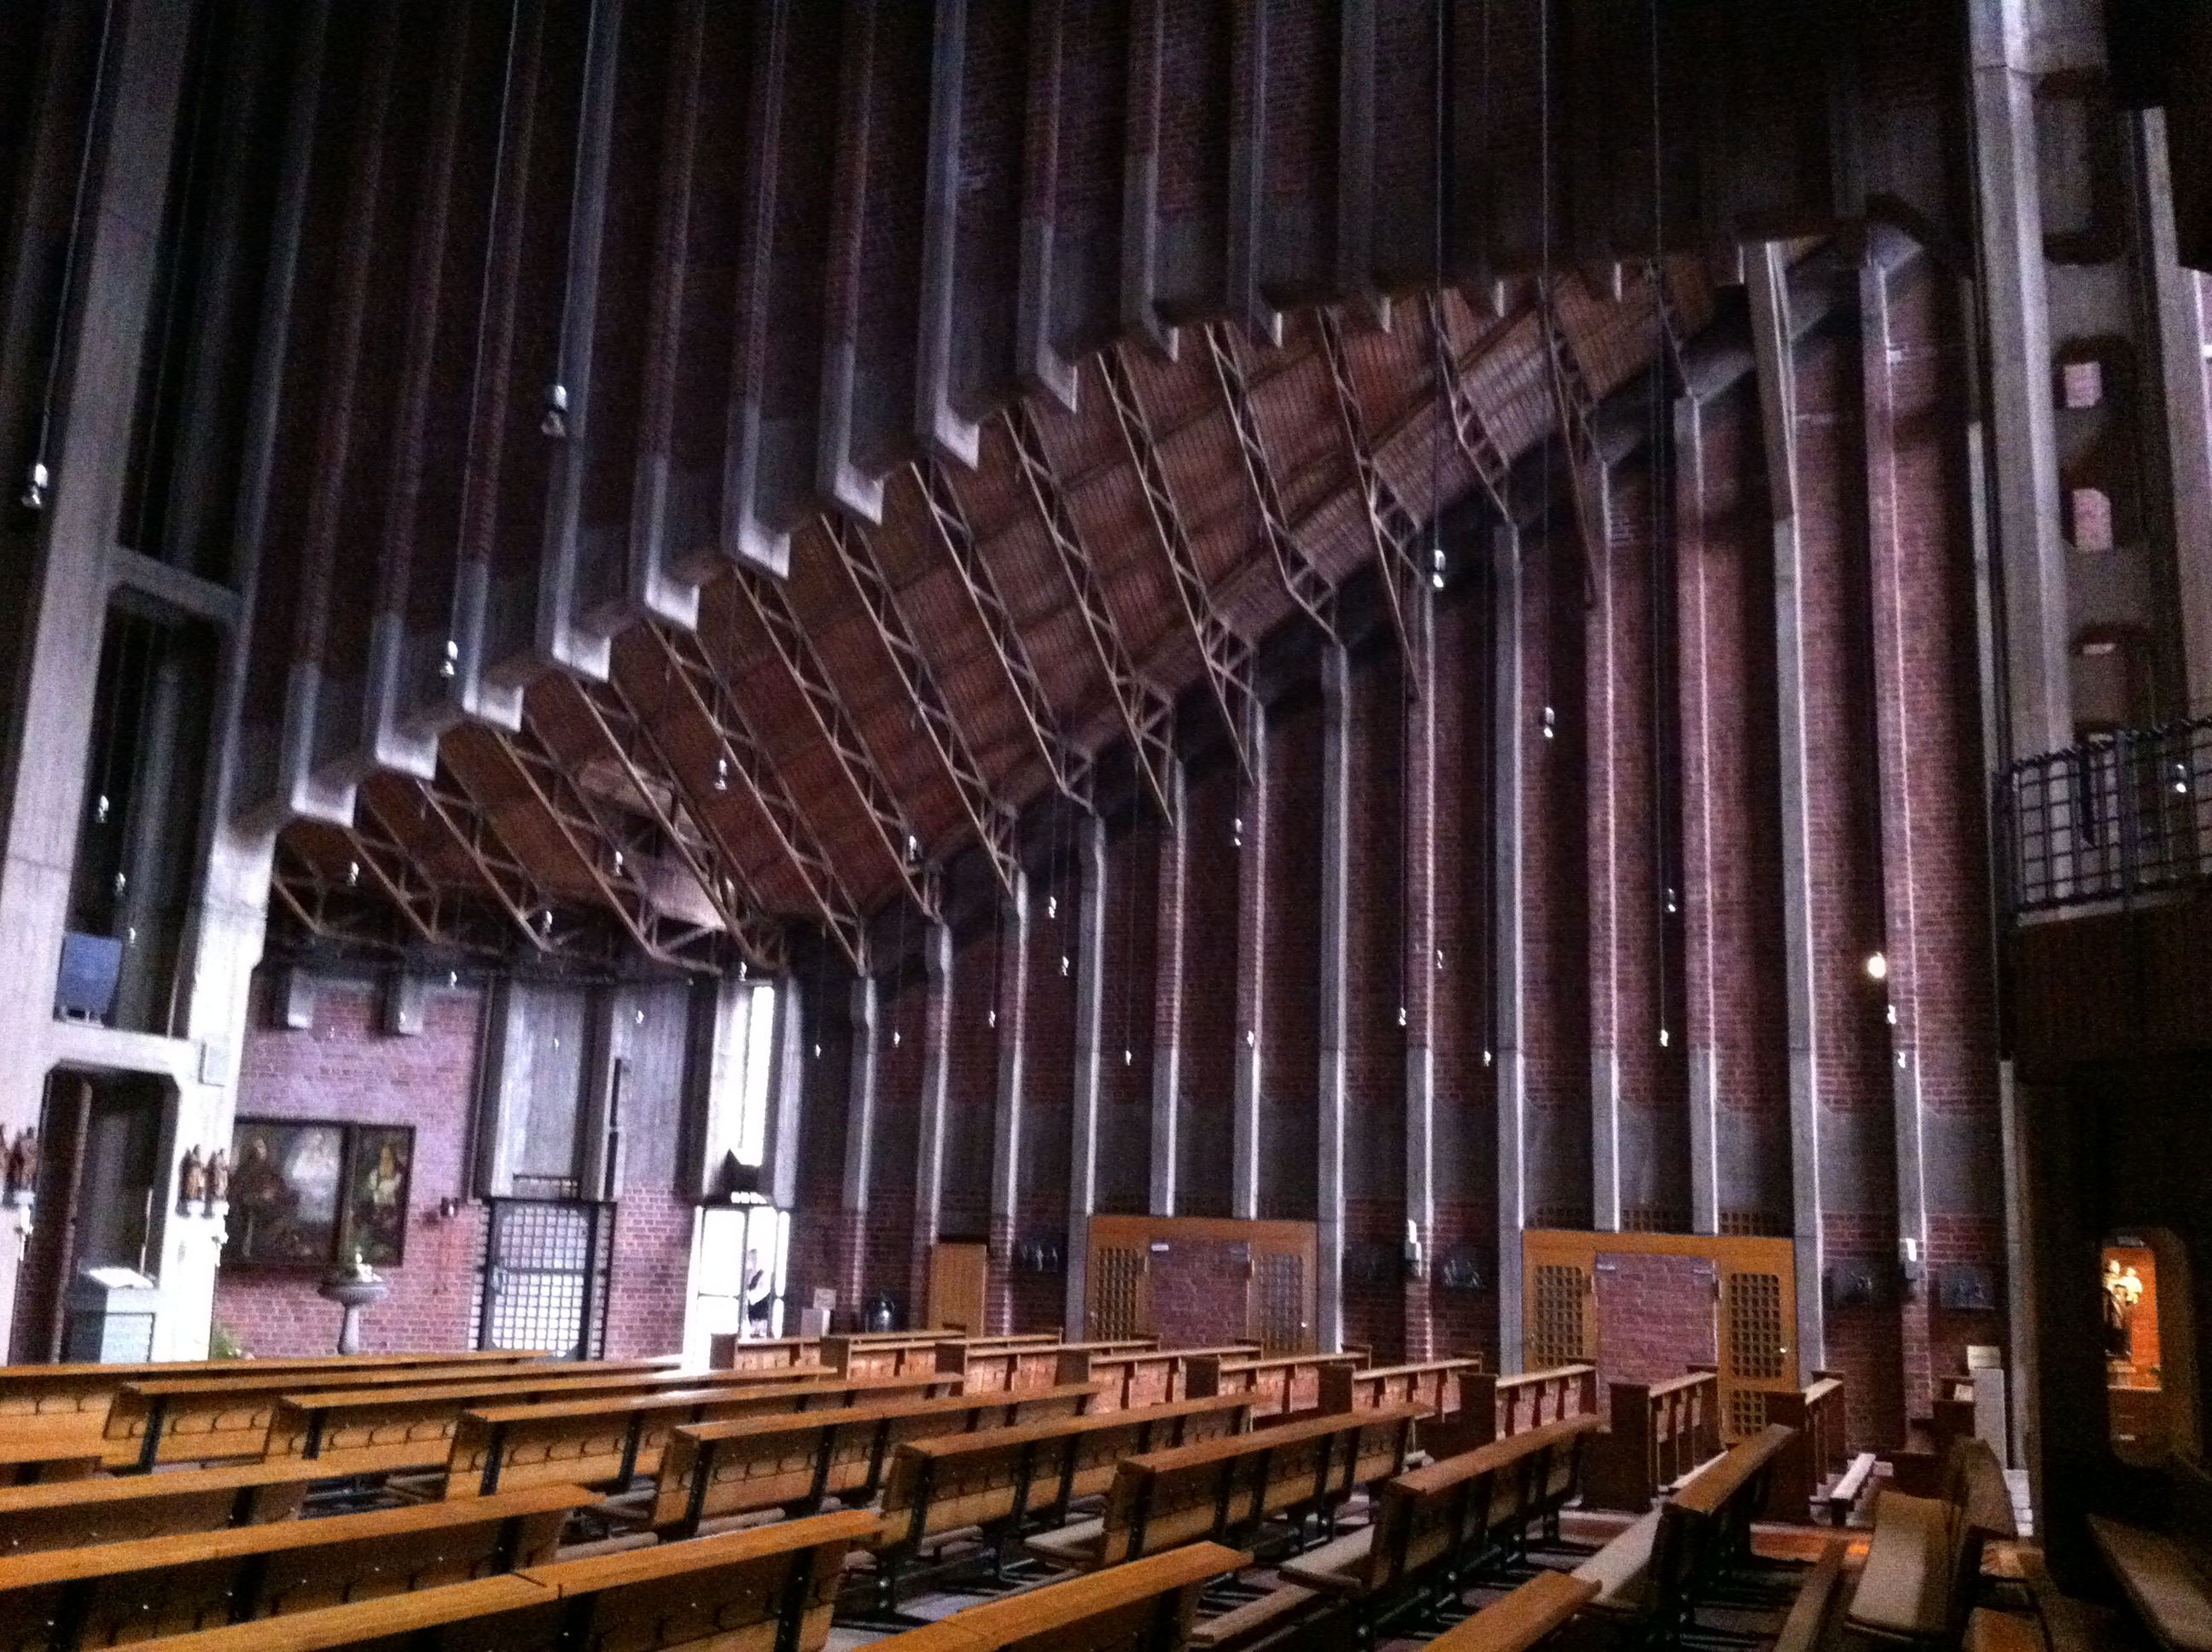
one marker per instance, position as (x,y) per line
(2120,819)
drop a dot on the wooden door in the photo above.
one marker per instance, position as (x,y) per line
(957,1273)
(1254,1281)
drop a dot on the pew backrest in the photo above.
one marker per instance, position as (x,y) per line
(1454,1511)
(1522,1619)
(1435,1384)
(728,1352)
(126,1508)
(1148,1603)
(1659,1432)
(1281,1385)
(95,1596)
(1142,1376)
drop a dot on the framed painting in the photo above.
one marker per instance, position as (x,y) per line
(380,1165)
(285,1189)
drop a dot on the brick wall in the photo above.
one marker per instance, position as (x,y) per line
(346,1068)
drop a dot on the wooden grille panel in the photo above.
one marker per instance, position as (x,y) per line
(1282,1302)
(1116,1285)
(1556,1327)
(1753,1327)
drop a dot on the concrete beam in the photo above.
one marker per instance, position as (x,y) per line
(1508,964)
(1776,376)
(1333,968)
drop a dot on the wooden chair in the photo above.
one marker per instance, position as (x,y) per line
(1143,1607)
(120,1509)
(206,1417)
(712,1471)
(1217,1488)
(608,1439)
(1001,1479)
(773,1587)
(1286,1385)
(1438,1523)
(113,1592)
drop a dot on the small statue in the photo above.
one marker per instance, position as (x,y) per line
(218,1179)
(194,1179)
(22,1168)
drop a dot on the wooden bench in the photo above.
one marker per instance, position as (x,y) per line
(1142,1376)
(2168,1581)
(1807,1626)
(38,1460)
(1436,1384)
(607,1439)
(728,1352)
(1652,1575)
(997,1479)
(984,1369)
(121,1509)
(1494,1406)
(72,1402)
(1817,1455)
(1522,1619)
(202,1418)
(1285,1385)
(774,1587)
(1444,1521)
(1924,1560)
(1215,1488)
(1147,1604)
(62,1599)
(712,1471)
(1660,1432)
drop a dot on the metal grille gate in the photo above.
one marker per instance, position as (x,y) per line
(546,1275)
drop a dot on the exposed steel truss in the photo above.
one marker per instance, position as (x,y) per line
(543,917)
(1390,526)
(1471,431)
(1309,588)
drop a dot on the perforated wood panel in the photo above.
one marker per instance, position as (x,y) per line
(1752,1328)
(1117,1286)
(1745,1412)
(1282,1303)
(1556,1329)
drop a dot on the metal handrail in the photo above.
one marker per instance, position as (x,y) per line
(2122,815)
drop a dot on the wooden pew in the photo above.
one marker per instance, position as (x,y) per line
(38,1460)
(376,1430)
(607,1439)
(124,1507)
(74,1398)
(1924,1561)
(854,1357)
(205,1417)
(1816,1412)
(986,1369)
(1147,1604)
(773,1587)
(1520,1620)
(728,1352)
(1494,1407)
(62,1599)
(711,1470)
(1652,1575)
(1216,1487)
(1807,1626)
(1660,1431)
(997,1479)
(1285,1385)
(1142,1376)
(1436,1384)
(1438,1523)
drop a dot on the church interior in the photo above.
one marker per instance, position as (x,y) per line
(1106,825)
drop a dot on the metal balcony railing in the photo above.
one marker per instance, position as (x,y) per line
(2122,815)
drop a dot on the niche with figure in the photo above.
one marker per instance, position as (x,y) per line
(2149,1376)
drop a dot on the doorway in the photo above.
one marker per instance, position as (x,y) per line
(100,1170)
(958,1273)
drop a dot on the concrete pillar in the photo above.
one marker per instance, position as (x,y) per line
(2176,298)
(1508,1054)
(1602,771)
(1251,839)
(1090,1017)
(786,1092)
(1334,965)
(65,593)
(1007,1120)
(1700,960)
(1419,971)
(1776,377)
(859,1142)
(2016,323)
(1167,990)
(929,1132)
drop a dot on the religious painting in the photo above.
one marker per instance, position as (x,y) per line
(284,1190)
(380,1160)
(311,1194)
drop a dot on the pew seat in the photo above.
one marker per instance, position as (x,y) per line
(120,1509)
(2169,1589)
(1148,1603)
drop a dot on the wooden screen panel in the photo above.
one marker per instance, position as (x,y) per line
(1757,1278)
(1116,1309)
(1275,1300)
(957,1274)
(1282,1327)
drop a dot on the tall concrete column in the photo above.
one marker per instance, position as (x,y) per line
(929,1134)
(1167,990)
(1700,960)
(1602,776)
(2177,296)
(1334,963)
(1089,1020)
(787,1093)
(1776,369)
(1507,1053)
(2016,323)
(1421,961)
(867,1001)
(1007,1113)
(1251,837)
(64,592)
